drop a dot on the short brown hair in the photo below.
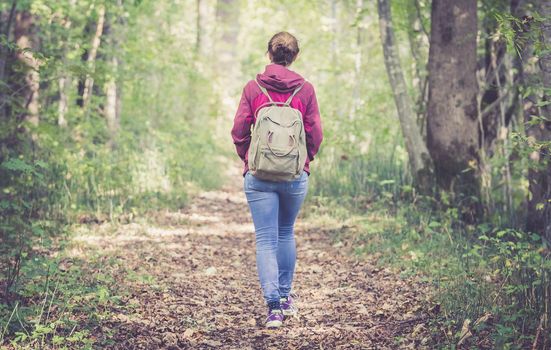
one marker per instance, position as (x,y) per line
(283,48)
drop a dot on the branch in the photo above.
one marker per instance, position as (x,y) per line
(10,19)
(493,105)
(418,8)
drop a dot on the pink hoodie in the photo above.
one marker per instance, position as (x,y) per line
(280,83)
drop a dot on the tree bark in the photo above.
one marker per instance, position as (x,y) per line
(227,55)
(3,52)
(537,74)
(96,41)
(452,111)
(62,107)
(418,43)
(334,38)
(356,100)
(419,159)
(112,87)
(198,28)
(64,83)
(26,41)
(111,108)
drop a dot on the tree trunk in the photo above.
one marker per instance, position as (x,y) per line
(26,41)
(226,47)
(96,41)
(452,111)
(538,121)
(419,158)
(62,106)
(334,38)
(111,104)
(198,26)
(418,43)
(357,60)
(112,87)
(6,32)
(64,83)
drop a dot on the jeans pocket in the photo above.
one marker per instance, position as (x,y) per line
(299,186)
(246,181)
(254,184)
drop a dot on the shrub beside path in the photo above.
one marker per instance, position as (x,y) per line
(190,282)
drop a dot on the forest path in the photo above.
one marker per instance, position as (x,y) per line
(192,284)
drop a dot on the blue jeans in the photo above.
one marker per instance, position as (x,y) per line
(274,208)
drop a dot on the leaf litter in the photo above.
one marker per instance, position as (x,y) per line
(203,292)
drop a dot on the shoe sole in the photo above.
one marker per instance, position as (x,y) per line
(274,324)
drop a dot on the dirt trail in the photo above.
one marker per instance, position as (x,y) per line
(195,286)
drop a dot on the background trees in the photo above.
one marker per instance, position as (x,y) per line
(110,109)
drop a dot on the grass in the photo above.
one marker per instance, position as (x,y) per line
(489,280)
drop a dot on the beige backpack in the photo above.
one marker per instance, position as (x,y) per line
(278,143)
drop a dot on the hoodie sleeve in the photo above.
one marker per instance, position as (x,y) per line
(312,126)
(241,131)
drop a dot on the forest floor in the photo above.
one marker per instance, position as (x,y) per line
(188,281)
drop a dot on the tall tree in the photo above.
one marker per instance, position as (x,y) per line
(452,111)
(27,43)
(419,158)
(91,60)
(112,107)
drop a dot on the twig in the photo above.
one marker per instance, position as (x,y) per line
(493,105)
(418,8)
(538,332)
(51,302)
(8,323)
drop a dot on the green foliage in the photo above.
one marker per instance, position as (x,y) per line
(473,270)
(173,101)
(64,300)
(24,216)
(82,168)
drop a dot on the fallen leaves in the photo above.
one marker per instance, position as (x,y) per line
(188,333)
(467,331)
(208,296)
(211,271)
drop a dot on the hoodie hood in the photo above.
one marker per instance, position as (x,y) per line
(279,78)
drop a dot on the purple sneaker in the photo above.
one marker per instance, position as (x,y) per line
(288,306)
(274,319)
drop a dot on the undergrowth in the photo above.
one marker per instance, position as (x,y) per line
(491,283)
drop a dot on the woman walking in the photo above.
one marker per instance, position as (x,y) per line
(281,108)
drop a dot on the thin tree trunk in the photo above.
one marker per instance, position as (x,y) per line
(452,111)
(418,46)
(198,26)
(64,83)
(62,107)
(3,50)
(334,40)
(111,104)
(419,158)
(357,60)
(96,41)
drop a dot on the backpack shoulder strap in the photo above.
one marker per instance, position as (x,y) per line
(264,91)
(288,102)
